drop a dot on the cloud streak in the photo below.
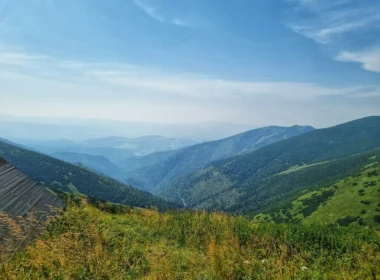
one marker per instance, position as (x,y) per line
(157,14)
(369,59)
(131,92)
(150,10)
(340,24)
(20,59)
(327,33)
(134,79)
(329,20)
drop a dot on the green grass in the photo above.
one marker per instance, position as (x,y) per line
(88,242)
(353,196)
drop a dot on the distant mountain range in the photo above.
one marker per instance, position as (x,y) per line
(15,128)
(157,169)
(277,173)
(140,146)
(115,149)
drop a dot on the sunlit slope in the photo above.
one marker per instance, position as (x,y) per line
(352,200)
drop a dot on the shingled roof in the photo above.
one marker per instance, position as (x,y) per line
(21,195)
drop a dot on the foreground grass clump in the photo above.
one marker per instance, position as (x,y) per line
(87,242)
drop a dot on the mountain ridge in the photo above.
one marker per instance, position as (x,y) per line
(246,180)
(192,158)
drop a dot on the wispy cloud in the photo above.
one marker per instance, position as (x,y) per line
(214,88)
(153,11)
(20,59)
(132,92)
(369,59)
(181,22)
(340,24)
(132,78)
(331,30)
(150,10)
(328,20)
(318,5)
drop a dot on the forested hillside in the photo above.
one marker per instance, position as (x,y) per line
(166,166)
(67,177)
(276,173)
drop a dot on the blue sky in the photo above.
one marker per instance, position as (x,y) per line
(253,62)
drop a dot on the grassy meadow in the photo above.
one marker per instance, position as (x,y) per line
(105,242)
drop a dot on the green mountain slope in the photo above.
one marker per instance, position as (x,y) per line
(68,177)
(193,158)
(354,199)
(98,163)
(276,173)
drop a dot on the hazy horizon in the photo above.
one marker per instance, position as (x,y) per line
(17,128)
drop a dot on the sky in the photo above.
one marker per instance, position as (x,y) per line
(255,62)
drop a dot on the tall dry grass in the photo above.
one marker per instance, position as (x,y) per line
(87,243)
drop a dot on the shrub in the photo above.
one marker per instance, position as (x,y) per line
(373,173)
(346,221)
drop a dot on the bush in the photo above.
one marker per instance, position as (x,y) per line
(373,173)
(346,221)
